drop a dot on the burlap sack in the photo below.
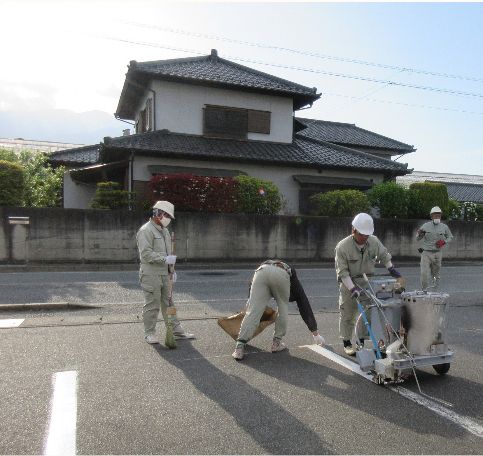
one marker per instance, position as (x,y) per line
(231,325)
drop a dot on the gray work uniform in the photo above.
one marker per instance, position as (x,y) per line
(268,281)
(432,255)
(154,244)
(352,261)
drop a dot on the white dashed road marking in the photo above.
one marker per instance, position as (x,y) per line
(462,421)
(61,435)
(11,322)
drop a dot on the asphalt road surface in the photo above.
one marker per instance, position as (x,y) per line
(77,377)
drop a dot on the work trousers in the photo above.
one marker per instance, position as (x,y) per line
(268,281)
(430,269)
(348,313)
(156,296)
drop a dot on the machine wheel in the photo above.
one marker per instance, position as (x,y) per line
(441,369)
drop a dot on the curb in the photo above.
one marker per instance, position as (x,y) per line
(47,305)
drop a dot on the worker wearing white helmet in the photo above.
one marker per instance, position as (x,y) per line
(156,269)
(434,237)
(356,255)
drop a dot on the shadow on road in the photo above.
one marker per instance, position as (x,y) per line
(275,429)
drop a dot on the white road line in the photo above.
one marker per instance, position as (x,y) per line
(61,436)
(463,421)
(11,322)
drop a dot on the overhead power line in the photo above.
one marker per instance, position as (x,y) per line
(306,53)
(316,71)
(439,108)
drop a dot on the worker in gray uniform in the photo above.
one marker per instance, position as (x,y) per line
(156,271)
(356,255)
(274,278)
(435,236)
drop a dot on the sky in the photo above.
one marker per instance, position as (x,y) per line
(409,71)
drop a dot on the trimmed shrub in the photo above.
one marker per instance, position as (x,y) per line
(391,199)
(468,211)
(257,196)
(189,192)
(12,178)
(110,196)
(195,193)
(340,203)
(425,195)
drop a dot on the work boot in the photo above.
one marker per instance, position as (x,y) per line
(184,335)
(349,349)
(151,339)
(278,345)
(239,353)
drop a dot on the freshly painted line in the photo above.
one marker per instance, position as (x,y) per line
(463,421)
(61,436)
(11,322)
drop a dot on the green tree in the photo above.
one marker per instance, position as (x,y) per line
(11,183)
(340,203)
(391,199)
(425,195)
(257,196)
(110,196)
(43,184)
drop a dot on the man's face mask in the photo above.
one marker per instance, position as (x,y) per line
(165,221)
(436,221)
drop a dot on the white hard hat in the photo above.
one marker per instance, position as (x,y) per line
(363,223)
(165,206)
(435,209)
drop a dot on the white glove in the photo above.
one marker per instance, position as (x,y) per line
(174,277)
(319,340)
(170,259)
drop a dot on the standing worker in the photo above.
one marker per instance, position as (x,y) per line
(435,236)
(356,255)
(156,271)
(276,279)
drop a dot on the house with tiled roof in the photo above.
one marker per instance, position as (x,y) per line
(210,116)
(461,187)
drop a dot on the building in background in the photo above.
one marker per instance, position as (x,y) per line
(461,187)
(212,117)
(18,144)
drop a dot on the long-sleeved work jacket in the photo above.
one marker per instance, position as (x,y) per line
(434,232)
(352,261)
(154,245)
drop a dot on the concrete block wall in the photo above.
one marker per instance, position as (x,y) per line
(96,236)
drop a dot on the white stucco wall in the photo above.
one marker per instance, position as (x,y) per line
(280,176)
(77,195)
(179,108)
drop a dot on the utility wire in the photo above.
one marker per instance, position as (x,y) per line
(307,53)
(440,108)
(312,70)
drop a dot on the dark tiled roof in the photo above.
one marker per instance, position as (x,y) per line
(464,192)
(208,70)
(349,135)
(304,152)
(86,155)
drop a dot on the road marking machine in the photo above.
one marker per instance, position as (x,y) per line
(407,330)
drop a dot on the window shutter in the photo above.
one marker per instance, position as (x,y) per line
(259,121)
(224,122)
(149,114)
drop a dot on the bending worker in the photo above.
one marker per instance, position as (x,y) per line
(156,271)
(276,279)
(356,255)
(435,236)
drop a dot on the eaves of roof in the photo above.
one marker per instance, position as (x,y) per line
(346,134)
(211,71)
(302,152)
(86,155)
